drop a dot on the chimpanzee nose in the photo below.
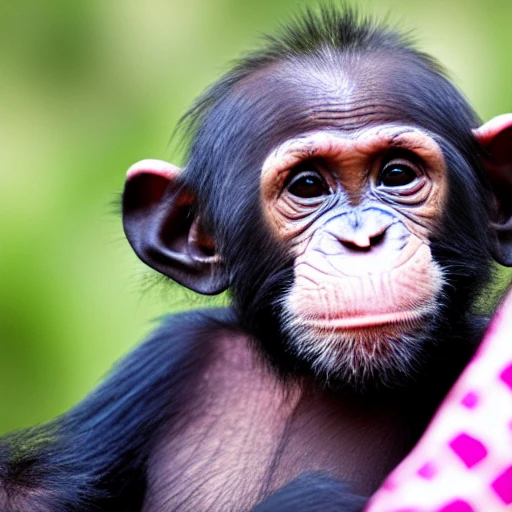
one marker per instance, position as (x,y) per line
(364,230)
(368,240)
(363,240)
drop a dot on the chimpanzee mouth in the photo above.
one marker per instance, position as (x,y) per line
(402,318)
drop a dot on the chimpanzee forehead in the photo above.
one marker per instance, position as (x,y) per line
(344,92)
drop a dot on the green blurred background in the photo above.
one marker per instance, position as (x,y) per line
(89,87)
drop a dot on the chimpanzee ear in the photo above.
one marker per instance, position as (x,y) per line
(161,226)
(495,137)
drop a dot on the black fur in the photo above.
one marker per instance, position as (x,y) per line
(93,457)
(313,492)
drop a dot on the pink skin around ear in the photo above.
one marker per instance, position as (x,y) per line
(488,131)
(151,166)
(463,462)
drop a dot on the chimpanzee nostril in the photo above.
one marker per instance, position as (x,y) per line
(362,243)
(377,239)
(351,246)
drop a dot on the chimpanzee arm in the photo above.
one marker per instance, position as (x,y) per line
(93,457)
(313,492)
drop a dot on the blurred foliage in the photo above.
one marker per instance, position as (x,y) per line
(89,87)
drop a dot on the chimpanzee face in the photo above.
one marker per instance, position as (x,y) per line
(356,210)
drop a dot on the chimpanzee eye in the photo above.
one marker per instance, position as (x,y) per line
(308,184)
(397,175)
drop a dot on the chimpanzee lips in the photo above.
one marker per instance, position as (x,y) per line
(407,318)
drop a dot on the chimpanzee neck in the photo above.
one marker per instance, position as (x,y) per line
(246,433)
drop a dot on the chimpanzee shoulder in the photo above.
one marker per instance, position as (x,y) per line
(93,457)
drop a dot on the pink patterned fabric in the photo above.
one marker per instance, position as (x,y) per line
(463,462)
